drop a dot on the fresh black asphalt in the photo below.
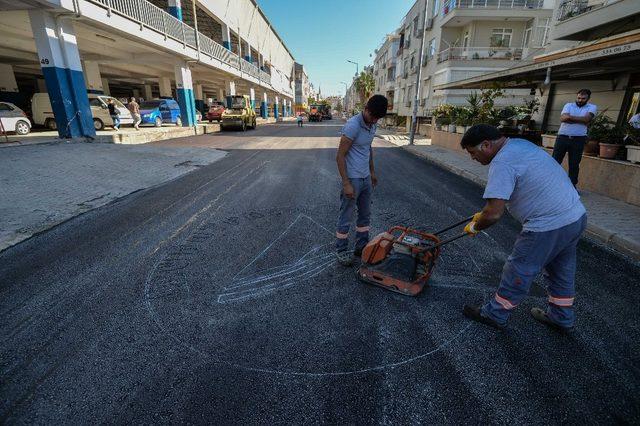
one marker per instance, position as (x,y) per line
(215,299)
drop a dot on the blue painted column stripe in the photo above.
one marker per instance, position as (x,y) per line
(176,11)
(226,44)
(69,102)
(276,113)
(263,109)
(187,107)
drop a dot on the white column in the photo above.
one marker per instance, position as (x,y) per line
(136,93)
(230,88)
(184,93)
(42,86)
(165,87)
(226,36)
(252,96)
(92,77)
(220,94)
(105,86)
(7,79)
(147,93)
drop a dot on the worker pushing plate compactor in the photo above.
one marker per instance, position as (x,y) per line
(402,259)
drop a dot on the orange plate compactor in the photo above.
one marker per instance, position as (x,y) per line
(402,259)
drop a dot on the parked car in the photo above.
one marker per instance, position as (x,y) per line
(215,112)
(14,119)
(43,113)
(159,111)
(239,114)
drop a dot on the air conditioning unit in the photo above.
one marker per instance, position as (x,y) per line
(429,23)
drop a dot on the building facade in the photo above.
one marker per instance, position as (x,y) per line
(303,88)
(384,69)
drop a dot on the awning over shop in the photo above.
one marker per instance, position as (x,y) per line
(602,60)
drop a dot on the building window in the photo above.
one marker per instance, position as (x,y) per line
(544,29)
(426,88)
(526,37)
(435,7)
(501,37)
(413,61)
(432,48)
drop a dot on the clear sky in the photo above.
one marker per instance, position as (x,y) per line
(323,34)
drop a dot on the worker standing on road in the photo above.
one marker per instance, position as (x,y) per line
(299,119)
(355,165)
(572,135)
(539,195)
(115,114)
(134,109)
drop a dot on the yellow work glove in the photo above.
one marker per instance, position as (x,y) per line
(471,226)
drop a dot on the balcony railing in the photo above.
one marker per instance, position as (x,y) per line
(570,8)
(477,53)
(150,16)
(450,5)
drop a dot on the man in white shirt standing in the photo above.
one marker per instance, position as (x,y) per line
(572,135)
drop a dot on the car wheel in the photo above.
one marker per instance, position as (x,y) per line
(51,124)
(98,124)
(22,128)
(158,122)
(178,122)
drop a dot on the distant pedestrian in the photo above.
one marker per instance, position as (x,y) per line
(355,165)
(537,192)
(299,119)
(572,135)
(114,113)
(134,109)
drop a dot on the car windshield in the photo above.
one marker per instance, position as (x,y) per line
(237,102)
(150,104)
(106,100)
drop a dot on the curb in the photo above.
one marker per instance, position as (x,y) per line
(594,232)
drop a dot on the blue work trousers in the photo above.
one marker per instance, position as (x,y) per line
(116,121)
(555,251)
(362,200)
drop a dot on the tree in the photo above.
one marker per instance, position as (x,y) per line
(365,85)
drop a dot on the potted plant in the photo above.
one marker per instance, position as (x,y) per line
(614,140)
(598,131)
(633,144)
(446,121)
(462,119)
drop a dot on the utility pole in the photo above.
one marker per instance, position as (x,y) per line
(356,64)
(414,115)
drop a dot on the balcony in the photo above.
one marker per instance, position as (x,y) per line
(588,20)
(391,62)
(480,53)
(458,13)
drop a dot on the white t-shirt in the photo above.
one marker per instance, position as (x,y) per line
(576,129)
(538,191)
(635,121)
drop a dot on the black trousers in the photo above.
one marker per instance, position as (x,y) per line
(574,146)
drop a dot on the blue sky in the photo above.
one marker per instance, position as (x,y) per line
(323,34)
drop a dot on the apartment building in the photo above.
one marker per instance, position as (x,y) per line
(464,39)
(594,44)
(302,88)
(384,69)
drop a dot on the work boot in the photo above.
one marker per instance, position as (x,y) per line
(345,258)
(474,313)
(541,316)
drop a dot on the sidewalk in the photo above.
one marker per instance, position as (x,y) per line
(44,185)
(614,223)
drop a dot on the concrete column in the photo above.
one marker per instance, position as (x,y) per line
(165,87)
(42,86)
(92,77)
(105,86)
(60,61)
(230,90)
(252,96)
(199,97)
(175,8)
(247,52)
(276,104)
(7,79)
(264,110)
(226,36)
(136,94)
(220,94)
(184,92)
(146,92)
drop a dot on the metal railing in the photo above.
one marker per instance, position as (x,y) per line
(570,8)
(477,53)
(150,16)
(450,5)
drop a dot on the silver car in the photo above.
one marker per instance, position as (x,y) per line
(13,119)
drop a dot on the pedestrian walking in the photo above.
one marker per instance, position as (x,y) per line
(572,135)
(134,109)
(356,168)
(115,114)
(538,194)
(299,119)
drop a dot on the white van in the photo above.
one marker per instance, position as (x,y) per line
(43,113)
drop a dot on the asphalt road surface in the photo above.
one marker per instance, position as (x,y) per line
(215,298)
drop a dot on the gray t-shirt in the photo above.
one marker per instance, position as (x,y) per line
(362,136)
(538,190)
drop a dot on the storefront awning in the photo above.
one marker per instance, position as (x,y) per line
(602,60)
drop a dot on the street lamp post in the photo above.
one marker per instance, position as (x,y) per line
(356,64)
(414,115)
(346,92)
